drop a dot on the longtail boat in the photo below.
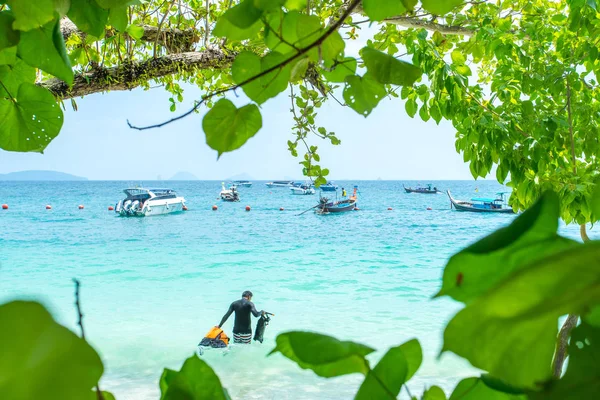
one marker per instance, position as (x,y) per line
(430,189)
(480,204)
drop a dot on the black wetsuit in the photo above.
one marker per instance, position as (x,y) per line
(243,321)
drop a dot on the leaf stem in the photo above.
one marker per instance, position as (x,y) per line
(333,28)
(9,94)
(80,323)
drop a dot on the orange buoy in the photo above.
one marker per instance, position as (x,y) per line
(247,208)
(280,208)
(429,208)
(5,206)
(111,208)
(390,208)
(184,208)
(48,207)
(81,206)
(215,208)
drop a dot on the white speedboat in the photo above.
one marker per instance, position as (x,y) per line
(230,194)
(280,184)
(304,189)
(141,202)
(242,183)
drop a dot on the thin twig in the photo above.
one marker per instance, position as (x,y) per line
(160,26)
(80,323)
(571,127)
(282,64)
(206,24)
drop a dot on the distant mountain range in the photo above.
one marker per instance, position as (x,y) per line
(184,176)
(40,176)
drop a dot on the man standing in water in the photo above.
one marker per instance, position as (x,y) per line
(242,328)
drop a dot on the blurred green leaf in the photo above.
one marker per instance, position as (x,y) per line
(8,56)
(116,3)
(269,5)
(396,367)
(593,317)
(388,70)
(41,359)
(243,15)
(481,266)
(12,76)
(8,36)
(440,7)
(458,57)
(228,128)
(88,16)
(582,379)
(295,4)
(500,386)
(195,381)
(299,70)
(31,14)
(135,31)
(165,380)
(105,395)
(378,10)
(596,199)
(325,355)
(475,389)
(117,18)
(31,122)
(510,331)
(363,94)
(248,65)
(343,68)
(224,28)
(434,393)
(44,48)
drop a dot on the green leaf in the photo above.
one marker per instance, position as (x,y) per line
(31,14)
(475,389)
(424,113)
(596,200)
(440,7)
(342,69)
(325,355)
(411,107)
(396,367)
(8,36)
(582,379)
(510,331)
(458,57)
(332,47)
(93,395)
(114,3)
(243,15)
(195,381)
(269,5)
(363,94)
(165,380)
(592,317)
(436,114)
(478,268)
(8,56)
(44,48)
(135,31)
(12,76)
(299,70)
(224,28)
(295,4)
(248,65)
(42,359)
(117,18)
(31,122)
(388,70)
(62,7)
(500,386)
(378,10)
(228,128)
(88,16)
(434,393)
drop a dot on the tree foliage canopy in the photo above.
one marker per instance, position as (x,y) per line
(518,79)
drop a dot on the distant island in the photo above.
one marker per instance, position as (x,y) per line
(40,176)
(240,177)
(184,176)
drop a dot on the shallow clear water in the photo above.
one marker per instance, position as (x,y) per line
(152,287)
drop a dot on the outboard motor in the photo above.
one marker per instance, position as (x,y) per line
(119,206)
(135,206)
(126,205)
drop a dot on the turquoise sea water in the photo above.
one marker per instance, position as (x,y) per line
(152,287)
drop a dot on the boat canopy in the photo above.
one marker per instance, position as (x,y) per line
(132,192)
(484,200)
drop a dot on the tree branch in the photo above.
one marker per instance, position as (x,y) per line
(330,30)
(131,75)
(175,40)
(417,23)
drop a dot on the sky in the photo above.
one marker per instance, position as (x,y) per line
(96,143)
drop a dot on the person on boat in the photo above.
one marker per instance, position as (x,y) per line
(344,194)
(242,327)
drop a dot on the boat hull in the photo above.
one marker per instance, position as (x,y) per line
(339,207)
(153,208)
(302,192)
(420,191)
(467,206)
